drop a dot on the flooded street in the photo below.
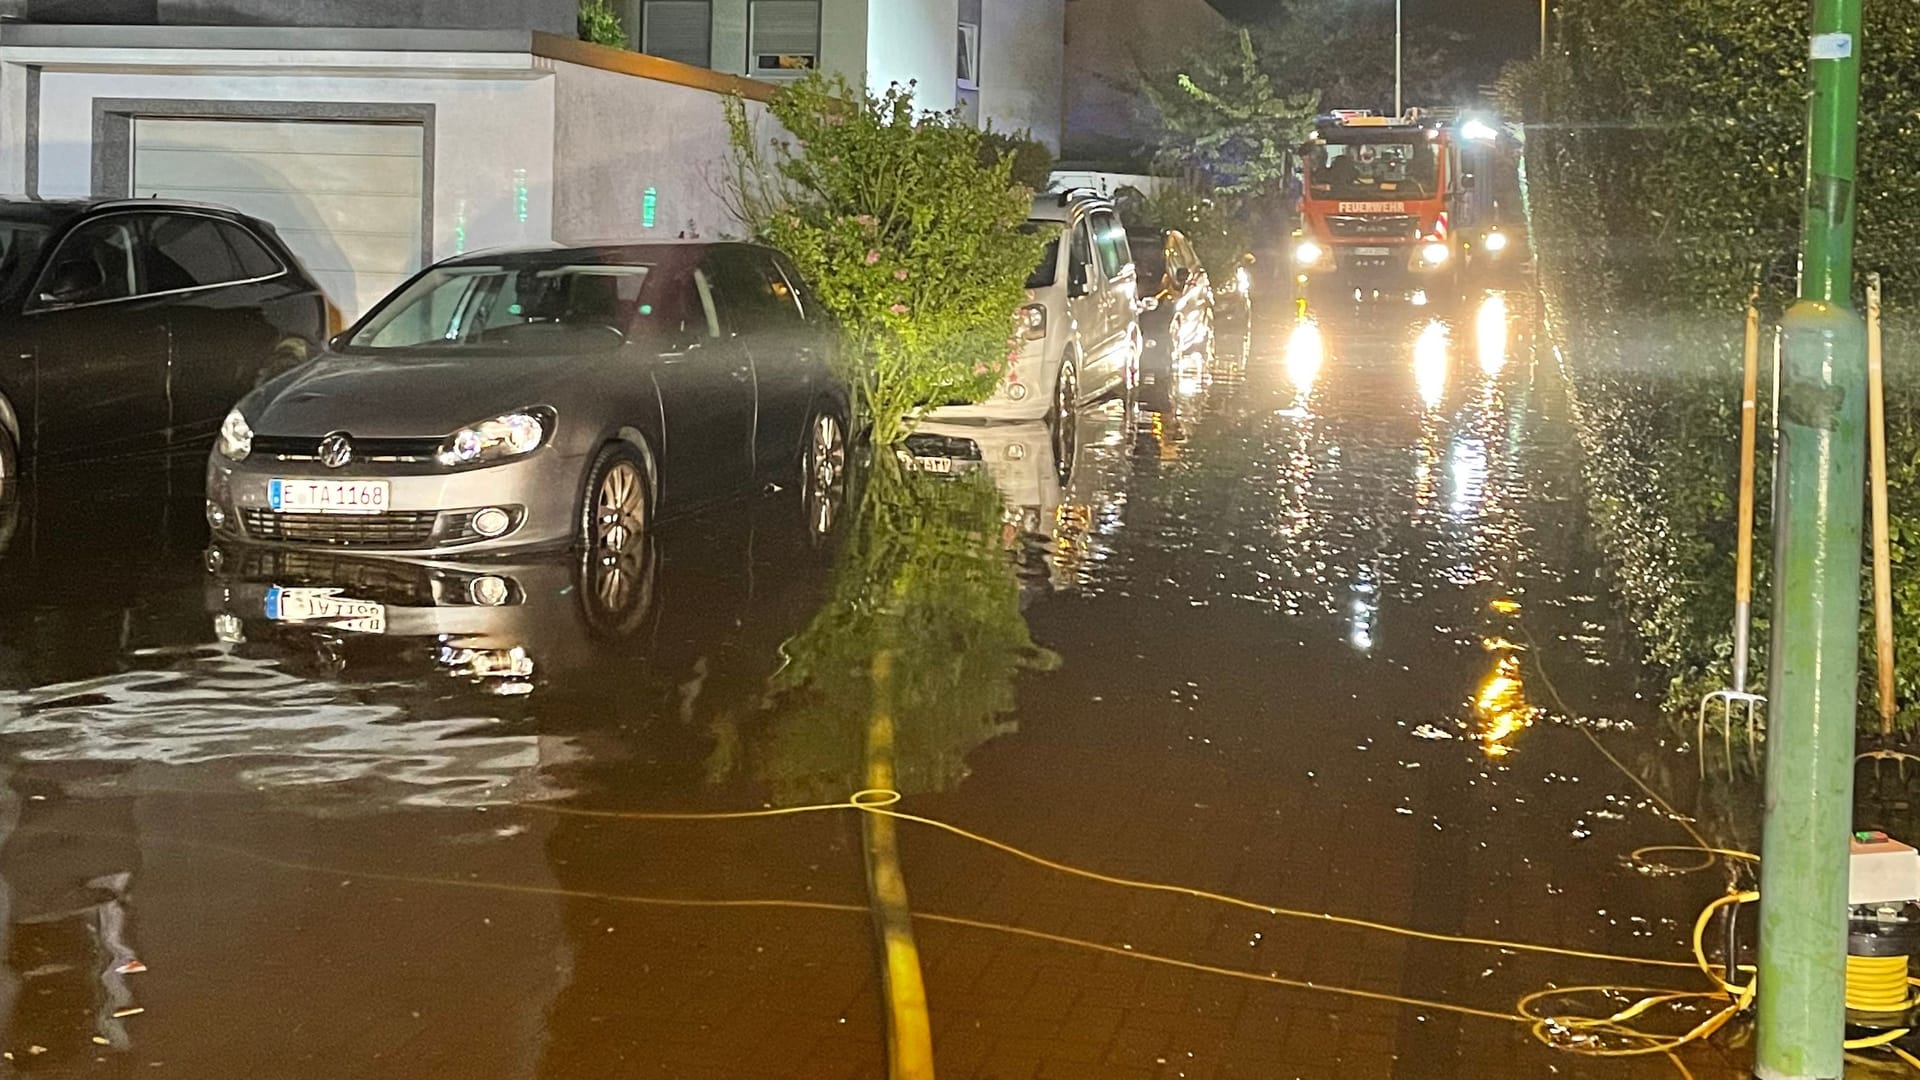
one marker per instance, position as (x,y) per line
(1318,630)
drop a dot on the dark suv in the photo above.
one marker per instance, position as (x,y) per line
(134,325)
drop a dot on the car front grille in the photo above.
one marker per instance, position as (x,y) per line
(1393,226)
(406,528)
(307,448)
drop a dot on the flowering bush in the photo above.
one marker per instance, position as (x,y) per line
(910,241)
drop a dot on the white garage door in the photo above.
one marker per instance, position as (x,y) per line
(345,197)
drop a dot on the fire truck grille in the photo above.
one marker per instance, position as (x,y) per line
(1395,226)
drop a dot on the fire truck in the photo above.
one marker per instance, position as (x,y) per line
(1389,207)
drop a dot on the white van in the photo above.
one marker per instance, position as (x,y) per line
(1080,339)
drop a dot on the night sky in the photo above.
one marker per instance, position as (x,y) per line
(1497,30)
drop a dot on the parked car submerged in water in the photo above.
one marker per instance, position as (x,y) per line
(1079,340)
(540,399)
(1176,317)
(127,326)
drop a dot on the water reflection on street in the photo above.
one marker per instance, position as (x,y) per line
(1316,626)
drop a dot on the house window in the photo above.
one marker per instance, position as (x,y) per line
(969,67)
(785,36)
(678,30)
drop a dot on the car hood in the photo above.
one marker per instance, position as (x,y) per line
(419,394)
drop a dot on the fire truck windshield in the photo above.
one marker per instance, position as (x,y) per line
(1373,170)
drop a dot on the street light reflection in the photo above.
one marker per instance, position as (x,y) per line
(1430,364)
(1491,329)
(1500,706)
(1306,352)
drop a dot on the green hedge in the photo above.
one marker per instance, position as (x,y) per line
(1665,159)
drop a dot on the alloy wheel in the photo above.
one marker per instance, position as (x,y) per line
(619,531)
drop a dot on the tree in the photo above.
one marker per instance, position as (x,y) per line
(1226,125)
(1344,50)
(907,229)
(1032,162)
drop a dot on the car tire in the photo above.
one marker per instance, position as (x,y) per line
(1063,421)
(615,539)
(823,471)
(9,459)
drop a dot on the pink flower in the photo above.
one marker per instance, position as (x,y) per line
(866,221)
(898,309)
(873,257)
(899,275)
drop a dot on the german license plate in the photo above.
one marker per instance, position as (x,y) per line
(328,496)
(293,605)
(1373,251)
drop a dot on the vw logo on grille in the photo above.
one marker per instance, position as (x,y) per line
(336,450)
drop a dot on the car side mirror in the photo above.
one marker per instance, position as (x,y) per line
(1468,182)
(74,282)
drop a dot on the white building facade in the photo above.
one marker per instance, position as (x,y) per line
(372,152)
(996,62)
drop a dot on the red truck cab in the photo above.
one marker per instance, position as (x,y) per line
(1381,204)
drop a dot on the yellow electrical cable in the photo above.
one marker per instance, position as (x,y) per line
(1875,988)
(1878,984)
(876,801)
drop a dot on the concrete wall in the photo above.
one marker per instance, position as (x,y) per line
(615,136)
(553,16)
(1111,48)
(913,41)
(487,130)
(1022,57)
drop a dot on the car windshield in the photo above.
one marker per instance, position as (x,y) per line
(511,309)
(1044,274)
(1374,170)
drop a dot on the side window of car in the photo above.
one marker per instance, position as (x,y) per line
(1082,248)
(95,263)
(255,260)
(809,304)
(699,318)
(188,252)
(1110,241)
(756,298)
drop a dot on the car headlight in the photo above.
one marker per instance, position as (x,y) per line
(1435,253)
(504,436)
(1307,253)
(1496,242)
(236,437)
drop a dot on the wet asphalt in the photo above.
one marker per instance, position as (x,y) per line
(1318,626)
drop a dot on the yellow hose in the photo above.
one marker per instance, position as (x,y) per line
(1878,984)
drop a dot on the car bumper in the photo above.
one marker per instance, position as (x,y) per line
(1025,394)
(429,512)
(1394,271)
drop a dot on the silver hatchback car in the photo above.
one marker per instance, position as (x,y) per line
(540,399)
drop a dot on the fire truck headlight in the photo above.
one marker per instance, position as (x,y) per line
(1307,253)
(1496,242)
(1435,253)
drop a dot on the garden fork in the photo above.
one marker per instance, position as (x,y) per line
(1736,703)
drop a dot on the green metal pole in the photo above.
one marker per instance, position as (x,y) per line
(1816,600)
